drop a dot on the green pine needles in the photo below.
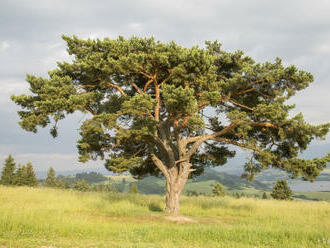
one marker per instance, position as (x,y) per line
(165,110)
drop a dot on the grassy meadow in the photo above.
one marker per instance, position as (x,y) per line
(41,217)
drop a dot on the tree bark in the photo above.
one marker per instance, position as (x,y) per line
(175,183)
(176,178)
(173,192)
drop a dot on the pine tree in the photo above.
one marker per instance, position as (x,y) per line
(264,195)
(30,176)
(50,179)
(282,191)
(146,100)
(218,190)
(25,176)
(19,178)
(133,189)
(8,171)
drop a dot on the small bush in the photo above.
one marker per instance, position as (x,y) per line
(218,190)
(155,207)
(282,191)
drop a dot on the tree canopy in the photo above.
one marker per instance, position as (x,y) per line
(162,109)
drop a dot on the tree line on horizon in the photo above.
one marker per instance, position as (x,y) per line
(25,176)
(21,175)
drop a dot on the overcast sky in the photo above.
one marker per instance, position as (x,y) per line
(298,31)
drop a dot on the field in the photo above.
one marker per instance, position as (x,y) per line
(36,217)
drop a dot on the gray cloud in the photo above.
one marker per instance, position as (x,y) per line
(30,42)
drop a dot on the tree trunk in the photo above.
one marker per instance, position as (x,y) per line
(173,192)
(176,177)
(174,186)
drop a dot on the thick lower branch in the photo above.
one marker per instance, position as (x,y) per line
(160,165)
(157,97)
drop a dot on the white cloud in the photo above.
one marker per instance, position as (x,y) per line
(4,45)
(135,27)
(323,48)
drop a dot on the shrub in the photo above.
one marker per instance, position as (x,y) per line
(218,190)
(282,191)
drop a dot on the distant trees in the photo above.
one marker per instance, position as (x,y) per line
(81,185)
(282,191)
(25,176)
(264,196)
(192,193)
(91,177)
(80,182)
(51,178)
(218,190)
(22,176)
(19,175)
(29,176)
(8,171)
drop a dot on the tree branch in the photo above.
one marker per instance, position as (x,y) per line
(251,89)
(235,143)
(157,98)
(264,124)
(137,88)
(117,87)
(147,85)
(145,73)
(240,105)
(200,139)
(160,165)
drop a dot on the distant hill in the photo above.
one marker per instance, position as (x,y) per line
(102,170)
(202,184)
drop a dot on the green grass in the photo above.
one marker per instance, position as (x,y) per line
(36,217)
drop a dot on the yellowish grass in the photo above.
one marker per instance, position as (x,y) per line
(35,217)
